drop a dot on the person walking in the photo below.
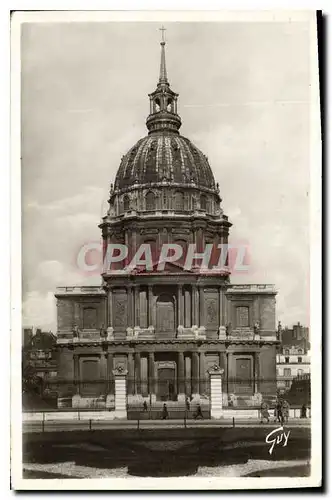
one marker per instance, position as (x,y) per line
(187,404)
(278,412)
(165,412)
(145,406)
(285,411)
(198,413)
(304,411)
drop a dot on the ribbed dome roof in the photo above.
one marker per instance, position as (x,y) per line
(164,157)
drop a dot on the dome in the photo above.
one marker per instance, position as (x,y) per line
(164,157)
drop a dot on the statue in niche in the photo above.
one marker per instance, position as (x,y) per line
(76,331)
(103,331)
(111,210)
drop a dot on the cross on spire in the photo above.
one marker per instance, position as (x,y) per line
(163,73)
(162,29)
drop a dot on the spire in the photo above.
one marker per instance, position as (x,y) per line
(163,101)
(163,72)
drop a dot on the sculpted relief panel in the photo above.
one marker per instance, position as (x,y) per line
(211,309)
(120,309)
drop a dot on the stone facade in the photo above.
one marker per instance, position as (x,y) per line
(167,360)
(166,327)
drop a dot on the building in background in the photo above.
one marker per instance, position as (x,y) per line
(293,357)
(298,336)
(40,354)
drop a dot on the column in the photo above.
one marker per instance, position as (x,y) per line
(138,372)
(202,375)
(77,321)
(103,372)
(222,363)
(181,377)
(221,322)
(201,307)
(76,397)
(149,305)
(195,373)
(227,371)
(130,306)
(76,374)
(152,383)
(126,261)
(109,373)
(137,311)
(131,374)
(257,374)
(194,305)
(110,307)
(180,307)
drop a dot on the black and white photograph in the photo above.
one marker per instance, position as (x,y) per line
(168,168)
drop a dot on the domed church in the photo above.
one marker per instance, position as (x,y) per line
(162,316)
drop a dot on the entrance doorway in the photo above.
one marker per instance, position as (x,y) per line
(166,390)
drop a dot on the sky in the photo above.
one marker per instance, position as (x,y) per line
(244,101)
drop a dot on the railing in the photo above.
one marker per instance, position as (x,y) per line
(257,288)
(80,289)
(178,393)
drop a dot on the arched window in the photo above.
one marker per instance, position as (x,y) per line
(157,105)
(179,200)
(126,203)
(183,245)
(150,201)
(169,105)
(286,352)
(203,202)
(299,351)
(165,200)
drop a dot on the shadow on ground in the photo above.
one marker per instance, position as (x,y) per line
(157,453)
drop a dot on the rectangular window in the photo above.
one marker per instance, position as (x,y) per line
(287,359)
(288,383)
(242,316)
(299,359)
(89,318)
(287,372)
